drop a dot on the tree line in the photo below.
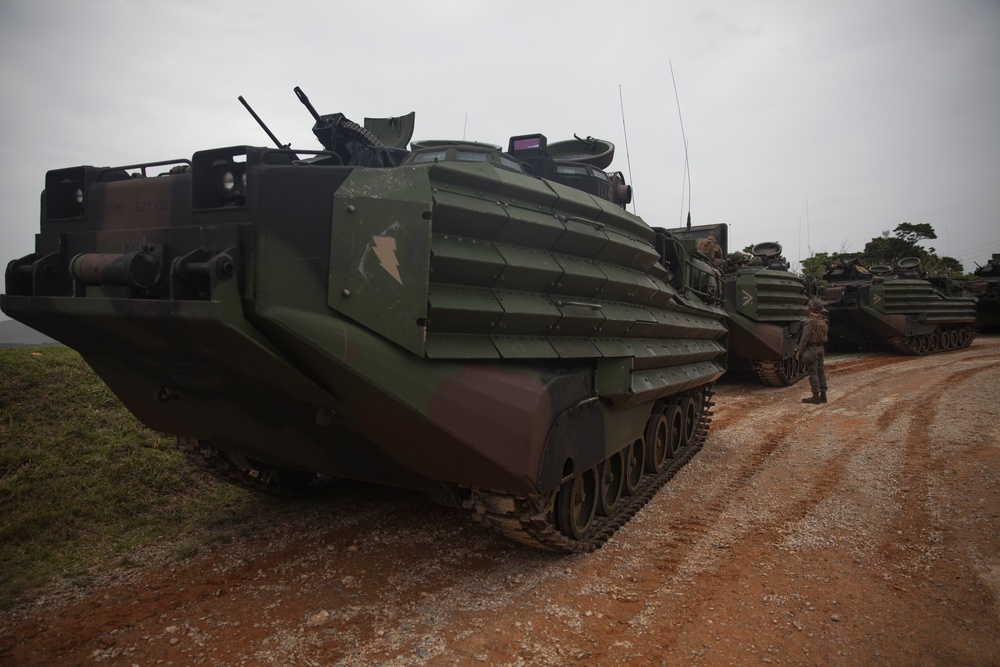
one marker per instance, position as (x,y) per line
(887,250)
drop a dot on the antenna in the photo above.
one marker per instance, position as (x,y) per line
(261,123)
(809,247)
(628,159)
(464,127)
(800,241)
(687,169)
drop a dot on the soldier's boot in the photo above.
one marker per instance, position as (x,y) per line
(815,398)
(822,397)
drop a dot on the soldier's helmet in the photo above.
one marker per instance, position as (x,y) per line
(815,305)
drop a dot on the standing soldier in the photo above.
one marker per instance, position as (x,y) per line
(812,337)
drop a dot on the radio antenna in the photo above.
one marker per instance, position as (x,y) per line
(687,169)
(628,159)
(261,123)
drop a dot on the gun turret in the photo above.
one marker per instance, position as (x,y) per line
(337,133)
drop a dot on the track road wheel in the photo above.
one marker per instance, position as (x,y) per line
(675,429)
(690,412)
(635,455)
(658,439)
(788,365)
(576,504)
(612,476)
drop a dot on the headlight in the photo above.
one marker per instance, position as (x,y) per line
(231,180)
(66,192)
(220,178)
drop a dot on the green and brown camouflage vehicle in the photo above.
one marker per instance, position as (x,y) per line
(899,307)
(765,306)
(490,327)
(986,288)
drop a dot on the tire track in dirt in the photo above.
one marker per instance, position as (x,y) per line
(680,531)
(920,457)
(687,527)
(763,536)
(397,581)
(917,546)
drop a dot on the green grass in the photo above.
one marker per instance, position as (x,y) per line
(84,484)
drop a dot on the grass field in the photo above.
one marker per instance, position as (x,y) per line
(84,484)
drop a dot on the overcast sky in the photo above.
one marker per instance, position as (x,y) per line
(817,124)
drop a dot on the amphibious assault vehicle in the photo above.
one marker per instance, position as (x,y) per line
(491,327)
(986,288)
(765,306)
(899,307)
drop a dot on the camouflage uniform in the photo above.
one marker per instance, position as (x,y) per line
(812,336)
(710,248)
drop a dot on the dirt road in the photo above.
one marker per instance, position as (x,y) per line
(864,531)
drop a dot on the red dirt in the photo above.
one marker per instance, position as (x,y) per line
(863,531)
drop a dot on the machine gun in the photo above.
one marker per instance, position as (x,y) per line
(337,133)
(380,143)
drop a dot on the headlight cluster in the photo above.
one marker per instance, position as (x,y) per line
(231,181)
(65,193)
(228,182)
(221,178)
(73,195)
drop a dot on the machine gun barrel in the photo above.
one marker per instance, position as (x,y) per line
(305,101)
(262,125)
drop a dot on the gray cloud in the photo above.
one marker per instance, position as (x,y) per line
(814,124)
